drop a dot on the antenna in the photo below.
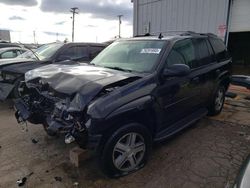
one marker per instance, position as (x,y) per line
(160,36)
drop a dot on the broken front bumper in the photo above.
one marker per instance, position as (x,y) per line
(5,90)
(22,114)
(82,137)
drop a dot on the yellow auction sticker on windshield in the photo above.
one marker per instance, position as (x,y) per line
(151,51)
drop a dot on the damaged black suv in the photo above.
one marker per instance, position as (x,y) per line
(135,92)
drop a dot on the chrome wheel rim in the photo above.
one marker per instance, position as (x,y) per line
(219,100)
(129,152)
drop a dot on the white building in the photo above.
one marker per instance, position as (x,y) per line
(230,19)
(5,35)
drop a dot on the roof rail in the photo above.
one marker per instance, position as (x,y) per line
(212,34)
(190,33)
(145,35)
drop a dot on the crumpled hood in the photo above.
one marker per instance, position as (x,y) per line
(4,62)
(69,79)
(82,82)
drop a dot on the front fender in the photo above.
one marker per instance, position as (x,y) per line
(140,110)
(135,105)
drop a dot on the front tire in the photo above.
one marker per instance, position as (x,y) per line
(217,103)
(126,150)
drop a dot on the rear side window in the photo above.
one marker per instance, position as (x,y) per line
(76,53)
(202,50)
(219,49)
(9,54)
(95,50)
(182,53)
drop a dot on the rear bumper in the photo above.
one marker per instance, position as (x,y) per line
(5,90)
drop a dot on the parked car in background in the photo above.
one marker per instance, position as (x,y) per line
(13,70)
(133,93)
(243,178)
(11,52)
(7,44)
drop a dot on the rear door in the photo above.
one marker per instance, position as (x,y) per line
(222,69)
(204,70)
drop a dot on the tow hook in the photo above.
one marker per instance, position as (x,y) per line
(69,139)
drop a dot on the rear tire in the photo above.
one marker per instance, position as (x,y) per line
(217,103)
(126,150)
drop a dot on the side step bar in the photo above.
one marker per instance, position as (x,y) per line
(180,125)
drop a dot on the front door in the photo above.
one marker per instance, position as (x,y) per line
(178,97)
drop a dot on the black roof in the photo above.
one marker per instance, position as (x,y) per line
(174,35)
(86,43)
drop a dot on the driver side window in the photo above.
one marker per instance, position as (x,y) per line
(182,53)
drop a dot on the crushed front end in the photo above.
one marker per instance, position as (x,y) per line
(38,105)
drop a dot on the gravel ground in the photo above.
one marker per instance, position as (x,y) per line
(208,154)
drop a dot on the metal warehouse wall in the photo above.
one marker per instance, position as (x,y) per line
(240,19)
(157,16)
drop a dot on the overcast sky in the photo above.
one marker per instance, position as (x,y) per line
(51,20)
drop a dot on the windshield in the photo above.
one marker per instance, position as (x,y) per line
(43,53)
(138,56)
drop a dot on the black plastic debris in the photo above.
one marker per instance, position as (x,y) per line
(58,178)
(241,80)
(231,95)
(21,182)
(34,141)
(242,133)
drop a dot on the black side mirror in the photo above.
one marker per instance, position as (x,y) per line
(176,70)
(63,58)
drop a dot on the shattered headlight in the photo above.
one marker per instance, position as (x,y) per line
(28,76)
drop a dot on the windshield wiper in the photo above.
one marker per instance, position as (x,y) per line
(119,68)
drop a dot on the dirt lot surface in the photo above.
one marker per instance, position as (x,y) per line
(208,154)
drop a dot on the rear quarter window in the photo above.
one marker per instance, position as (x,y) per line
(219,48)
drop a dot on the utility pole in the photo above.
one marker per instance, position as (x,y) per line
(120,22)
(74,11)
(34,36)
